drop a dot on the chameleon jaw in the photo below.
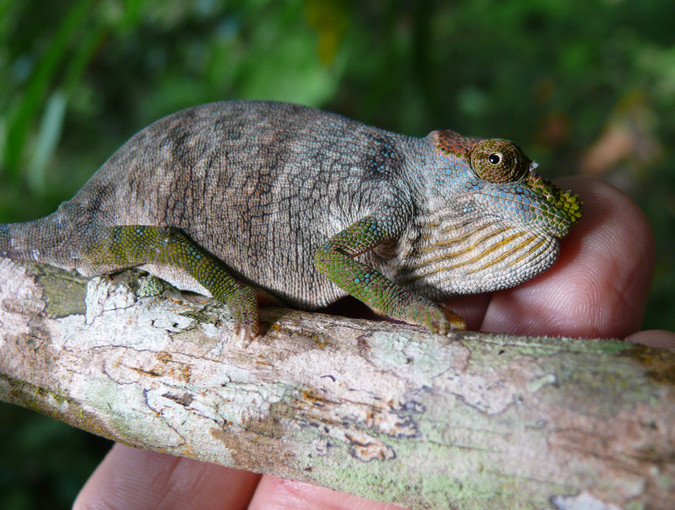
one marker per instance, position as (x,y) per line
(562,208)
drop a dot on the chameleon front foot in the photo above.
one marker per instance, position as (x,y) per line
(436,318)
(456,321)
(336,260)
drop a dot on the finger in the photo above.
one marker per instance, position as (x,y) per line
(275,492)
(129,478)
(599,286)
(654,338)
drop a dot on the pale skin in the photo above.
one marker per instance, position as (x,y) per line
(598,288)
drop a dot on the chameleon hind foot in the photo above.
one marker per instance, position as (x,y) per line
(134,245)
(243,306)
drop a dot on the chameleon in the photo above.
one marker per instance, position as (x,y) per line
(308,206)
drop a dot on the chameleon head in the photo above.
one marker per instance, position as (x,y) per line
(521,191)
(500,178)
(490,222)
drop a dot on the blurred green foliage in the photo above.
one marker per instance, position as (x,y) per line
(584,87)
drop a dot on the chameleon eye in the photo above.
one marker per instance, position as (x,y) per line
(499,161)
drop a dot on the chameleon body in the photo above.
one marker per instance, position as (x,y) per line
(309,206)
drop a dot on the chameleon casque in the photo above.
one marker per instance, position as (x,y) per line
(309,206)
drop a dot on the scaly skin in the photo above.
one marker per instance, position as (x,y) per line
(309,206)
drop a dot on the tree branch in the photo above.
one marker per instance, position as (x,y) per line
(382,410)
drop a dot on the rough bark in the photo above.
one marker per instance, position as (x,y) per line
(382,410)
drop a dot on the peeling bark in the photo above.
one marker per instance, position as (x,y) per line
(382,410)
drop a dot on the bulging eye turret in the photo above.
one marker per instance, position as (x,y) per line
(499,161)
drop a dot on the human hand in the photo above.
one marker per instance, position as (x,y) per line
(598,288)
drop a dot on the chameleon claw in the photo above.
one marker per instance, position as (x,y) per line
(245,332)
(244,308)
(446,321)
(456,322)
(433,316)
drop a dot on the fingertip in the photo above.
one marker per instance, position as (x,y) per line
(654,338)
(276,492)
(609,261)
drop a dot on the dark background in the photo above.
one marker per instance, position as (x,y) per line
(584,87)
